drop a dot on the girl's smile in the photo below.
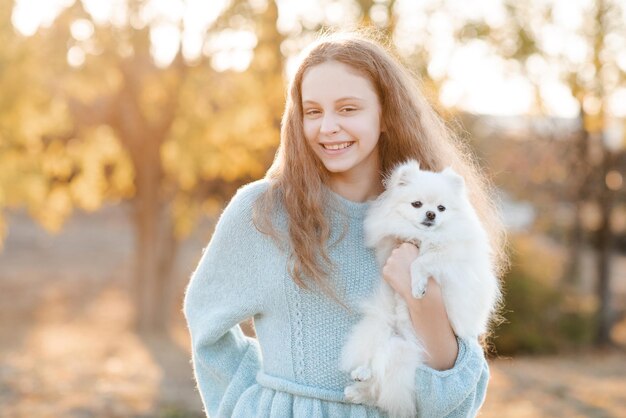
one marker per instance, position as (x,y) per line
(333,148)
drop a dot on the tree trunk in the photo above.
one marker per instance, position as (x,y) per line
(155,247)
(576,237)
(578,193)
(604,240)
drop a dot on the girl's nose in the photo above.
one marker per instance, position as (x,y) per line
(329,124)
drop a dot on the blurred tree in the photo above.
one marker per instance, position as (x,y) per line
(541,38)
(33,125)
(379,14)
(174,138)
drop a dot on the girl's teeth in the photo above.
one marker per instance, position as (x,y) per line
(338,146)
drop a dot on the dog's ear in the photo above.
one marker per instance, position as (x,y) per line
(455,179)
(400,176)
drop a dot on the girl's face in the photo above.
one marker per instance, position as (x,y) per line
(342,120)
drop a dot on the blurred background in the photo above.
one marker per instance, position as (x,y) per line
(126,125)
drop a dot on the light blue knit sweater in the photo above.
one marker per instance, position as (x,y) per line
(292,370)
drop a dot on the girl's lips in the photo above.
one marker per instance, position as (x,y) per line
(336,151)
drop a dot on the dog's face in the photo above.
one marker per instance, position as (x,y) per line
(424,198)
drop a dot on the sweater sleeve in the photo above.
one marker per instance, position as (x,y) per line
(223,291)
(458,392)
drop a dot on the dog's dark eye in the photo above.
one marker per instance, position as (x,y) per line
(441,208)
(417,204)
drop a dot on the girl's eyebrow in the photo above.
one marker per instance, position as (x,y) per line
(342,99)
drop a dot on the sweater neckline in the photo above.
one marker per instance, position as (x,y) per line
(349,207)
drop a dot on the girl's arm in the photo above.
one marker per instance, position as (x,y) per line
(431,323)
(428,314)
(221,293)
(453,382)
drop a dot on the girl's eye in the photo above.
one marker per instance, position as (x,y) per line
(417,204)
(311,112)
(441,208)
(348,109)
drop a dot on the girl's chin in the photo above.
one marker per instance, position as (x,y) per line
(336,168)
(348,162)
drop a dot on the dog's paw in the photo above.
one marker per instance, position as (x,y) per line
(361,374)
(351,393)
(354,394)
(418,288)
(419,279)
(418,294)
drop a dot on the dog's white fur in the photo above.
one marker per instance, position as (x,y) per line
(382,352)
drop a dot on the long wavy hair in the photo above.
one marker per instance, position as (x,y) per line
(413,130)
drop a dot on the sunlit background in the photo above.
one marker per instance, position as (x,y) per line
(126,125)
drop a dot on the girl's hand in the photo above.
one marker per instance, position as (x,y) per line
(428,314)
(397,269)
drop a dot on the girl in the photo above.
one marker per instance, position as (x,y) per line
(288,250)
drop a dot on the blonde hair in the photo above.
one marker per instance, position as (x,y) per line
(413,130)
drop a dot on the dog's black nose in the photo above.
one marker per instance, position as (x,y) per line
(431,215)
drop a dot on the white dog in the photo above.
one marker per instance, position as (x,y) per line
(433,211)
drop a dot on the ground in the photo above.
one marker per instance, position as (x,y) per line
(66,348)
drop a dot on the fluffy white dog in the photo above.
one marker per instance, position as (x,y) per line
(433,211)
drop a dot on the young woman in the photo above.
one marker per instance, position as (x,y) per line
(288,250)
